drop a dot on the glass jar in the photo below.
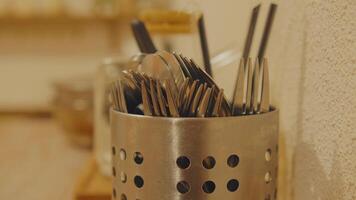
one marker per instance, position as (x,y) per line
(73,109)
(108,72)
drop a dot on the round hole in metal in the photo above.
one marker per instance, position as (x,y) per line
(122,154)
(138,157)
(233,185)
(209,187)
(139,182)
(233,161)
(268,197)
(113,171)
(113,149)
(123,197)
(123,177)
(268,155)
(183,187)
(114,193)
(183,162)
(209,162)
(268,177)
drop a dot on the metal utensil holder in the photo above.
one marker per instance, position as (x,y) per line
(225,158)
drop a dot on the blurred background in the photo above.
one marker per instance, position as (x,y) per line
(57,56)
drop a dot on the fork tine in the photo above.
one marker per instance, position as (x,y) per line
(212,100)
(265,98)
(255,88)
(161,99)
(191,93)
(182,66)
(129,80)
(147,110)
(217,105)
(237,102)
(182,91)
(185,98)
(171,103)
(248,106)
(195,102)
(203,107)
(154,99)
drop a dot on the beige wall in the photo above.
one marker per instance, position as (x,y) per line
(312,56)
(313,73)
(325,159)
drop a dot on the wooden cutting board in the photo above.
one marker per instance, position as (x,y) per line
(91,185)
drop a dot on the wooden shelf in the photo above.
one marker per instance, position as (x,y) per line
(59,19)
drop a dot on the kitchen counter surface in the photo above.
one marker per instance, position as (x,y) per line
(37,160)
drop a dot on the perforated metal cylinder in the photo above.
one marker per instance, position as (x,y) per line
(194,158)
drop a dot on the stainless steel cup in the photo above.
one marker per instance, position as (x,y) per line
(225,158)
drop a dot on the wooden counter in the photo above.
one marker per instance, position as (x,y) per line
(37,160)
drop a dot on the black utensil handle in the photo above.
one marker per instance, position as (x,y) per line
(251,32)
(267,31)
(204,45)
(143,37)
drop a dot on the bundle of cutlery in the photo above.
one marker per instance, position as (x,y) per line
(164,84)
(180,88)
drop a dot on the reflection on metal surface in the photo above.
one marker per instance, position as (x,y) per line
(195,158)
